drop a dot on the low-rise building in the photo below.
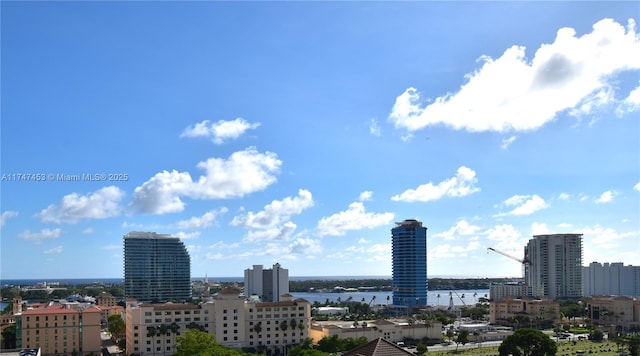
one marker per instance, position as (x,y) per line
(499,291)
(56,329)
(106,300)
(234,320)
(535,310)
(393,330)
(614,310)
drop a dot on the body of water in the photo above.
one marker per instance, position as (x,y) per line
(435,297)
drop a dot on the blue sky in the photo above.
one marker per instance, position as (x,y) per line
(300,132)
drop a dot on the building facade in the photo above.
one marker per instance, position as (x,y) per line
(268,284)
(393,330)
(611,279)
(614,310)
(499,291)
(157,267)
(234,320)
(409,263)
(555,268)
(534,309)
(68,329)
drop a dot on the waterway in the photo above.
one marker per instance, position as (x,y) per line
(435,298)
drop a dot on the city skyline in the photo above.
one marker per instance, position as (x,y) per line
(300,133)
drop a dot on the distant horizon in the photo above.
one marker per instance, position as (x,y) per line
(214,278)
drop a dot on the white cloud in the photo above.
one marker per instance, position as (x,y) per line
(461,185)
(201,222)
(6,215)
(631,103)
(305,247)
(244,172)
(462,228)
(539,229)
(564,196)
(220,131)
(604,244)
(38,237)
(187,235)
(637,187)
(87,231)
(101,204)
(524,204)
(374,128)
(506,238)
(511,93)
(453,251)
(282,232)
(354,218)
(606,197)
(111,247)
(366,196)
(277,212)
(52,251)
(507,142)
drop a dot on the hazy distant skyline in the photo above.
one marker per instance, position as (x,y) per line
(300,132)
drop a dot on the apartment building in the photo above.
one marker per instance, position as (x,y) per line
(234,320)
(611,279)
(267,284)
(499,291)
(555,269)
(62,329)
(409,263)
(534,309)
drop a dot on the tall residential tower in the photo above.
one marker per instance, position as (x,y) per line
(409,263)
(268,284)
(157,267)
(555,269)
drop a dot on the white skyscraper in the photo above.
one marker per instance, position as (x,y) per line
(555,268)
(611,279)
(268,284)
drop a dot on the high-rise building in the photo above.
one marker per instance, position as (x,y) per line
(268,284)
(409,263)
(555,268)
(157,267)
(611,279)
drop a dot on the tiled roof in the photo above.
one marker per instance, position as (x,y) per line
(378,347)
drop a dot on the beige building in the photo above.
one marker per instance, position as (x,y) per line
(535,309)
(106,300)
(60,329)
(234,321)
(614,310)
(393,330)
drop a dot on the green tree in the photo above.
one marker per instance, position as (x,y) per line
(284,325)
(596,335)
(195,342)
(117,326)
(528,342)
(463,338)
(9,337)
(422,349)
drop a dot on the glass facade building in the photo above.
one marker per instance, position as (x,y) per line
(409,263)
(157,267)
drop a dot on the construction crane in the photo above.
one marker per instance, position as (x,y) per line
(525,261)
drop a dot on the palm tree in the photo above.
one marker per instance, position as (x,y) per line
(151,332)
(293,323)
(284,325)
(301,327)
(163,333)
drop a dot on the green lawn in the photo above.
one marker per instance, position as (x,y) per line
(605,348)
